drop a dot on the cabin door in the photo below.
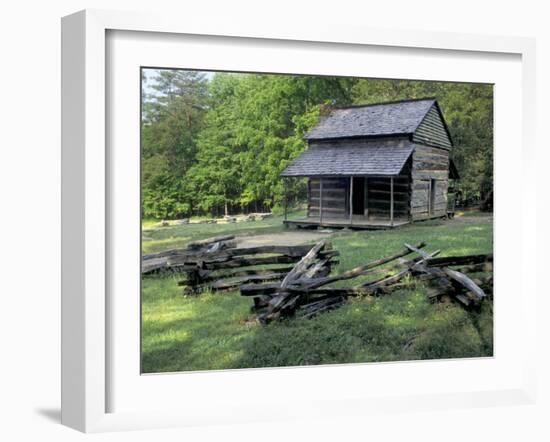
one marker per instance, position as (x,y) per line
(358,197)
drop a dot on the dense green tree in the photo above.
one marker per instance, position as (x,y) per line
(171,121)
(218,145)
(214,178)
(468,111)
(253,129)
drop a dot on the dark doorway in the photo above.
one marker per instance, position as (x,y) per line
(358,198)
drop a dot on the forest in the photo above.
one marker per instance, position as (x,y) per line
(214,144)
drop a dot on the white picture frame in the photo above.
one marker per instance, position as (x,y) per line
(86,352)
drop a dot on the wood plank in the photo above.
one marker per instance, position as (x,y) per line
(428,174)
(327,199)
(439,157)
(303,264)
(404,194)
(233,283)
(357,271)
(386,188)
(332,193)
(387,202)
(461,260)
(465,281)
(329,209)
(424,165)
(193,245)
(421,149)
(420,185)
(237,272)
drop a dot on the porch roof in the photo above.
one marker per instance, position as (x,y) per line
(359,159)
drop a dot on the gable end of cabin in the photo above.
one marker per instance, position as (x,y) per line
(432,130)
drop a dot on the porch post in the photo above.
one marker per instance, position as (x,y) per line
(285,195)
(320,200)
(351,199)
(367,198)
(391,201)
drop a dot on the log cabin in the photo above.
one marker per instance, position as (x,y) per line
(376,166)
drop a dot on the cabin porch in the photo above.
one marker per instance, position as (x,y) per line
(358,222)
(361,202)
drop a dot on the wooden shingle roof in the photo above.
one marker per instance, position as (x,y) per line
(383,119)
(375,158)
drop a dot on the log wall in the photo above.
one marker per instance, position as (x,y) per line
(432,131)
(379,199)
(430,182)
(335,197)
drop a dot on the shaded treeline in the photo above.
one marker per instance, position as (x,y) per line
(214,145)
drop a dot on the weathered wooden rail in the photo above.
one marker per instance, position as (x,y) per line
(217,264)
(286,281)
(304,293)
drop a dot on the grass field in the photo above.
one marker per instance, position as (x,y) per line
(158,239)
(211,331)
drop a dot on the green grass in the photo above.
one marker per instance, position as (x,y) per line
(156,238)
(211,331)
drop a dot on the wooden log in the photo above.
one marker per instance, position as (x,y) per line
(483,267)
(418,250)
(233,283)
(301,267)
(214,275)
(425,165)
(259,289)
(397,194)
(317,269)
(327,210)
(210,261)
(260,302)
(463,299)
(430,174)
(173,257)
(368,288)
(193,245)
(465,281)
(443,273)
(387,202)
(284,302)
(277,301)
(328,199)
(358,271)
(313,309)
(460,260)
(164,254)
(296,251)
(437,277)
(153,265)
(235,263)
(219,246)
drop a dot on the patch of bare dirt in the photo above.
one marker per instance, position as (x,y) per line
(290,238)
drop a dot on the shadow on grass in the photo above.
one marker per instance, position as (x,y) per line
(397,328)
